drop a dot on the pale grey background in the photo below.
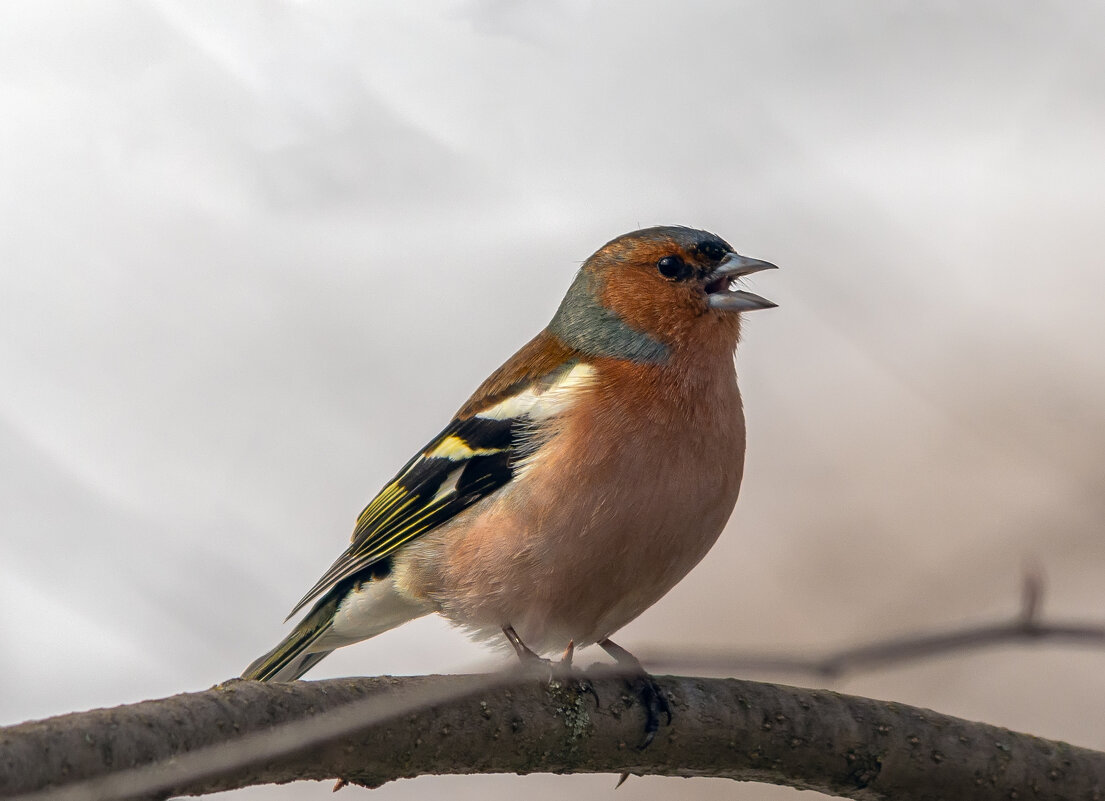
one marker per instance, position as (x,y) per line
(253,254)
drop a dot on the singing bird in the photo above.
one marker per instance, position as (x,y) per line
(582,480)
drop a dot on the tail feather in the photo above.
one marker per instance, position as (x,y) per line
(293,656)
(353,610)
(290,670)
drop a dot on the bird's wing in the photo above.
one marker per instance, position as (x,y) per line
(477,453)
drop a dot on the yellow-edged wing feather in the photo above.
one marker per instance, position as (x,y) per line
(473,457)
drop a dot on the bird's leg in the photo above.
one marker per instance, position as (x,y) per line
(582,681)
(528,659)
(646,689)
(525,655)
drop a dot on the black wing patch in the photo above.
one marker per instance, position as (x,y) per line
(467,461)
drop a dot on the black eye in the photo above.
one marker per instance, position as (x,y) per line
(712,250)
(671,267)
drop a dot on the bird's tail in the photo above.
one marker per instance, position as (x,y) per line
(355,609)
(295,654)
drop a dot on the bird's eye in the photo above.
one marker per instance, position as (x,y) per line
(672,267)
(712,250)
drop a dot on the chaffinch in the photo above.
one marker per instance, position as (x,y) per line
(582,480)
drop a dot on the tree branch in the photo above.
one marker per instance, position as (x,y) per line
(372,730)
(1024,627)
(881,653)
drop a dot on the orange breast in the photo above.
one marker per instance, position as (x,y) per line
(625,499)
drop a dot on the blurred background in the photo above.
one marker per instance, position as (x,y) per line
(239,241)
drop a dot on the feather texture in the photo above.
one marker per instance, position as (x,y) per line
(577,485)
(476,454)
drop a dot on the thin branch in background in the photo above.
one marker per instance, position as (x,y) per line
(1032,593)
(1025,627)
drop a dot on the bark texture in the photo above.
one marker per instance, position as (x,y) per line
(379,729)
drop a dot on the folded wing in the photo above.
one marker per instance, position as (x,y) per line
(478,453)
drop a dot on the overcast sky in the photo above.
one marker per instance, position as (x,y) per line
(254,254)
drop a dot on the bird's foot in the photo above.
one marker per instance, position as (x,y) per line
(529,661)
(567,672)
(644,688)
(655,703)
(544,669)
(547,669)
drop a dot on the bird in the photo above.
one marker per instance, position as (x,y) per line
(579,483)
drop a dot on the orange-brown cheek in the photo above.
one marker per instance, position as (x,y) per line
(650,303)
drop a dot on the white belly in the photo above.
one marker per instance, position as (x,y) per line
(371,609)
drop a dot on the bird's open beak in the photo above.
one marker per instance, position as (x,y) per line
(720,293)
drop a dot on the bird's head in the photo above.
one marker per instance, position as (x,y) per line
(656,290)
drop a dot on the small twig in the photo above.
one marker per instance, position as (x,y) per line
(1032,595)
(878,654)
(1024,627)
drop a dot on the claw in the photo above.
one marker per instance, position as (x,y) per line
(646,690)
(652,698)
(585,686)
